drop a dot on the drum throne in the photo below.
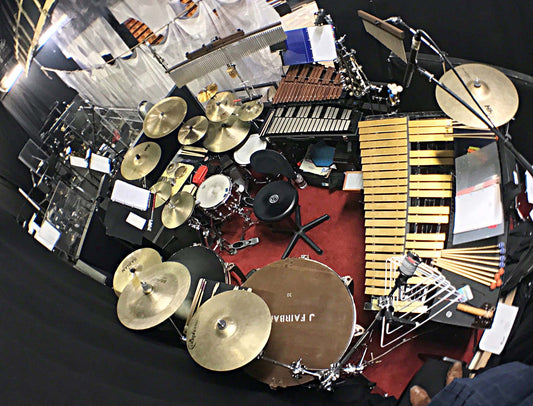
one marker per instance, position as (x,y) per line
(278,199)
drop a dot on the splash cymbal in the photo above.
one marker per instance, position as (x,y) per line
(178,210)
(207,92)
(491,88)
(162,191)
(140,160)
(139,261)
(223,136)
(220,107)
(229,330)
(151,298)
(193,130)
(249,110)
(164,117)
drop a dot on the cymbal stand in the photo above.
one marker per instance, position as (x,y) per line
(183,338)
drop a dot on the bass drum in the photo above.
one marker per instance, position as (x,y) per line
(201,262)
(313,318)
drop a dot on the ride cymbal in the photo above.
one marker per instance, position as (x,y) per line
(193,130)
(222,137)
(220,107)
(178,210)
(140,160)
(138,261)
(249,110)
(494,92)
(229,330)
(162,191)
(151,298)
(164,117)
(207,92)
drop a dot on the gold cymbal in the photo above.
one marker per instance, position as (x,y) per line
(178,210)
(193,130)
(162,191)
(207,92)
(222,137)
(229,330)
(139,260)
(220,107)
(249,110)
(151,298)
(491,88)
(164,117)
(140,160)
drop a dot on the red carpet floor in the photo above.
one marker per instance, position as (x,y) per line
(342,240)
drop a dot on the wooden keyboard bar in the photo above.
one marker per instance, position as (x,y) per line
(383,151)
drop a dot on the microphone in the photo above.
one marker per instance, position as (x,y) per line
(407,268)
(411,63)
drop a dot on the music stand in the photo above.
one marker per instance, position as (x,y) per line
(387,34)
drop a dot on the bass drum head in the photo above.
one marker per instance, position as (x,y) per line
(214,191)
(201,263)
(313,318)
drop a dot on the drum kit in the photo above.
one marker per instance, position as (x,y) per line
(290,320)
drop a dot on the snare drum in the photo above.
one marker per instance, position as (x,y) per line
(313,318)
(218,197)
(201,262)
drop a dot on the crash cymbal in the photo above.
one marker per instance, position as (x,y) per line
(207,92)
(226,135)
(151,298)
(140,160)
(220,107)
(229,330)
(164,117)
(178,210)
(139,261)
(193,130)
(249,110)
(162,191)
(490,87)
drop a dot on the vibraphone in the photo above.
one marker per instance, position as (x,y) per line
(309,103)
(407,178)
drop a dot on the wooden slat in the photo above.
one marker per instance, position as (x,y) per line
(404,306)
(428,219)
(431,161)
(383,282)
(425,237)
(376,291)
(431,153)
(429,210)
(382,144)
(385,167)
(384,133)
(382,214)
(385,248)
(430,193)
(386,121)
(431,138)
(398,231)
(385,240)
(384,182)
(375,256)
(428,253)
(384,190)
(431,122)
(385,198)
(430,185)
(385,206)
(384,151)
(430,130)
(431,177)
(384,223)
(383,158)
(385,175)
(424,245)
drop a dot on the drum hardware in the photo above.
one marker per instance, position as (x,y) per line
(151,220)
(139,260)
(239,245)
(164,117)
(148,302)
(140,160)
(193,130)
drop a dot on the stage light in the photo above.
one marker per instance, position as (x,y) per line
(11,77)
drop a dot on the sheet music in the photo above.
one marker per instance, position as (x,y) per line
(130,195)
(48,235)
(478,209)
(100,163)
(494,339)
(322,40)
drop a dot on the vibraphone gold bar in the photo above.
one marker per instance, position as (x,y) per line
(407,181)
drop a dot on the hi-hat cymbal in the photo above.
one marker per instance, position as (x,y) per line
(178,210)
(207,92)
(193,130)
(229,330)
(495,93)
(151,298)
(220,107)
(249,110)
(139,261)
(162,191)
(222,137)
(140,160)
(164,117)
